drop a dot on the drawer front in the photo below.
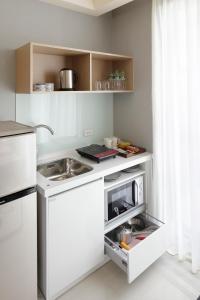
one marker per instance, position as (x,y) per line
(140,257)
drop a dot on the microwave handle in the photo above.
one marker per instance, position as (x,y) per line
(116,210)
(136,192)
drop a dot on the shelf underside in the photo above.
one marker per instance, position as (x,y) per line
(79,92)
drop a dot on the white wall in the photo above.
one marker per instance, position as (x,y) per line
(22,21)
(69,116)
(127,30)
(131,34)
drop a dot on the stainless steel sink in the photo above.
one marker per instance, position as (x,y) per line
(63,169)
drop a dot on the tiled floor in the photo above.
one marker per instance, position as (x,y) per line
(166,279)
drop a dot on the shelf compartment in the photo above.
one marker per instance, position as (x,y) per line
(142,255)
(42,63)
(104,64)
(46,68)
(125,177)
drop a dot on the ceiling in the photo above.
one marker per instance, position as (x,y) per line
(91,7)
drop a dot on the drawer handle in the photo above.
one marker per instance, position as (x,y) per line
(2,202)
(124,263)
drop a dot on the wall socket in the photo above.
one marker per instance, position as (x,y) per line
(88,132)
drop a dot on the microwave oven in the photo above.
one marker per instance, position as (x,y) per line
(123,197)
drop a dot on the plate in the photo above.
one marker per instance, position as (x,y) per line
(131,170)
(112,177)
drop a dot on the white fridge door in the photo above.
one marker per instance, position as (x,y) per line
(18,249)
(17,163)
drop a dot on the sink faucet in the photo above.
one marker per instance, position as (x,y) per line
(44,126)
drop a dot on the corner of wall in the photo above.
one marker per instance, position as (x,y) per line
(131,35)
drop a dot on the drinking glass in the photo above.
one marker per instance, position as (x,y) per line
(106,84)
(98,85)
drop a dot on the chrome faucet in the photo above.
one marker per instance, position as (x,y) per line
(44,126)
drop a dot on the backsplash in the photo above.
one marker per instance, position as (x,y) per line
(69,115)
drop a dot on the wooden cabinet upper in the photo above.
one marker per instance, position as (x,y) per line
(39,63)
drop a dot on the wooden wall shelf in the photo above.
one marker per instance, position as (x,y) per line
(41,63)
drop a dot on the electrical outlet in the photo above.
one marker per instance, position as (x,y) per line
(88,132)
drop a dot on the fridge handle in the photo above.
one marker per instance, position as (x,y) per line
(17,195)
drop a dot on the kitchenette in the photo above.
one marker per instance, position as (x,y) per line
(93,199)
(86,220)
(80,178)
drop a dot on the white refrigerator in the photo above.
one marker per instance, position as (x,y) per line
(18,212)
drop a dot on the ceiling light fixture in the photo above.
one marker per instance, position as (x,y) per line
(91,7)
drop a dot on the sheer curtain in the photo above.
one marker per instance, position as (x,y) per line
(176,118)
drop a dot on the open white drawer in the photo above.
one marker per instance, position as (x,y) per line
(142,255)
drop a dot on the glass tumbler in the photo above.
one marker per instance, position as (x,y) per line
(98,85)
(107,85)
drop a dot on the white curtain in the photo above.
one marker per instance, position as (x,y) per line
(176,118)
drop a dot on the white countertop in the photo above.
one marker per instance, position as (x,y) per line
(49,188)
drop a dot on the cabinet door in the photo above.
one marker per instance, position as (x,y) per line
(76,235)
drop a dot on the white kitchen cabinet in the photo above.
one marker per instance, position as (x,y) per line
(75,237)
(72,234)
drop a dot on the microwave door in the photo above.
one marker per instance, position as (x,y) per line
(119,200)
(115,201)
(129,199)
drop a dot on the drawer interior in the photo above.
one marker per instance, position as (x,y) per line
(144,243)
(140,227)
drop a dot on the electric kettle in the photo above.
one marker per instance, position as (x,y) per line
(68,79)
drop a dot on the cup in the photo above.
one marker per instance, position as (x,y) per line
(39,87)
(108,142)
(114,142)
(106,85)
(49,87)
(98,85)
